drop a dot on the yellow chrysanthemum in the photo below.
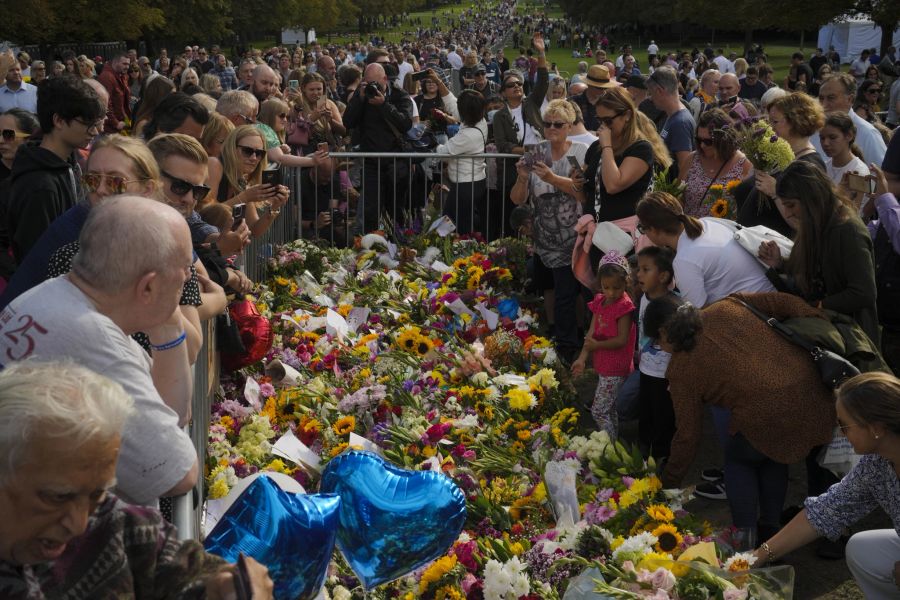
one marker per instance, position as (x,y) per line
(523,435)
(520,399)
(435,571)
(219,489)
(344,425)
(660,512)
(618,541)
(716,188)
(282,281)
(668,538)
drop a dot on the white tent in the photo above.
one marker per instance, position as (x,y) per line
(851,36)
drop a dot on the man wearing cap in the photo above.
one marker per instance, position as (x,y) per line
(597,80)
(482,83)
(637,87)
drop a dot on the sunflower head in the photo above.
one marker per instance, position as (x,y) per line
(668,538)
(719,208)
(660,512)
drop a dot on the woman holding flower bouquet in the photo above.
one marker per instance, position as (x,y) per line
(794,118)
(716,161)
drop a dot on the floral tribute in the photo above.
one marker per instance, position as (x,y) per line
(426,355)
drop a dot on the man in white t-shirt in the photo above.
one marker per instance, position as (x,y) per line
(724,65)
(836,94)
(858,67)
(134,257)
(652,50)
(454,58)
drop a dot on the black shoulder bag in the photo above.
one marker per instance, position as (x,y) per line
(833,368)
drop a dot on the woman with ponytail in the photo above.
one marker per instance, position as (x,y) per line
(725,357)
(709,263)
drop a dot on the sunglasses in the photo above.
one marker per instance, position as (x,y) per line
(704,141)
(93,180)
(180,187)
(248,120)
(873,91)
(249,152)
(608,121)
(283,116)
(11,134)
(554,125)
(513,84)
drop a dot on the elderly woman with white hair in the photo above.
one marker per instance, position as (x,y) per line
(558,203)
(64,533)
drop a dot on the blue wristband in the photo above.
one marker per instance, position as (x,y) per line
(173,344)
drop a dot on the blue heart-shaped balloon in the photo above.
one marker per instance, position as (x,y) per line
(291,534)
(392,520)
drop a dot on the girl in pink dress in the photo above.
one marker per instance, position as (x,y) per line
(611,338)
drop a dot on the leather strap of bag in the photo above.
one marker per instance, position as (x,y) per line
(780,328)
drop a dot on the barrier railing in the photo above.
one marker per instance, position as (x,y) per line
(288,226)
(339,205)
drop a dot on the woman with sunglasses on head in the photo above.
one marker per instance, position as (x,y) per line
(243,162)
(619,165)
(715,161)
(558,203)
(868,104)
(121,165)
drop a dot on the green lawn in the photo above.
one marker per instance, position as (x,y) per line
(779,54)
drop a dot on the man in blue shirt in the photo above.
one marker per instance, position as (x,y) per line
(16,93)
(678,129)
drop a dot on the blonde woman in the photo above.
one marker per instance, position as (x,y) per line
(189,78)
(272,121)
(243,162)
(86,67)
(557,200)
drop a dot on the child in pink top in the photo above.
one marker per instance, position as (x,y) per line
(611,339)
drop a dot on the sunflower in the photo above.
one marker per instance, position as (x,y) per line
(344,425)
(729,187)
(668,538)
(408,340)
(719,208)
(423,345)
(660,512)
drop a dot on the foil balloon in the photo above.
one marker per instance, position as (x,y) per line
(255,332)
(392,520)
(291,534)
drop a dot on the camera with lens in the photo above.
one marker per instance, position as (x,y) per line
(372,89)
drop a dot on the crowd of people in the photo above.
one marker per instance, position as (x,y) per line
(130,186)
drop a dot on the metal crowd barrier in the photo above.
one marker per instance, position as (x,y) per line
(408,201)
(402,184)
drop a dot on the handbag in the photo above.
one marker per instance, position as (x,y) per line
(298,130)
(750,238)
(833,368)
